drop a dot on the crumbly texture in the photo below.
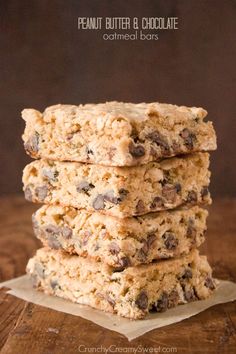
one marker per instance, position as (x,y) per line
(120,191)
(132,292)
(121,242)
(116,133)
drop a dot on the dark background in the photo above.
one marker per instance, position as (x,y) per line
(45,60)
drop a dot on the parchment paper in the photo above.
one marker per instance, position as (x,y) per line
(21,287)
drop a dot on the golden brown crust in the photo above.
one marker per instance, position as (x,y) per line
(116,133)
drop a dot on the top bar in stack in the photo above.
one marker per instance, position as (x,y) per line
(116,133)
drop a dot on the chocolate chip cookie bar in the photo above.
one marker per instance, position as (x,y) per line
(121,242)
(120,191)
(132,292)
(116,133)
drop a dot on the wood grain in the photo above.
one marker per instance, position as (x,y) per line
(27,328)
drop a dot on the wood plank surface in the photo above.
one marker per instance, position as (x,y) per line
(27,328)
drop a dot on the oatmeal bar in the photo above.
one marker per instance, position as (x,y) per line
(132,292)
(120,191)
(121,242)
(116,133)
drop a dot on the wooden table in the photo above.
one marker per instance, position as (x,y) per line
(27,328)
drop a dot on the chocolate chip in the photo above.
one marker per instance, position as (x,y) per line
(106,296)
(53,242)
(28,194)
(164,181)
(98,202)
(136,150)
(41,193)
(204,192)
(89,151)
(188,274)
(145,247)
(184,133)
(134,135)
(162,303)
(190,295)
(123,263)
(50,174)
(84,187)
(178,187)
(32,145)
(52,229)
(136,139)
(192,197)
(123,194)
(142,252)
(54,283)
(160,141)
(142,300)
(114,248)
(170,240)
(66,232)
(141,255)
(140,207)
(110,300)
(169,192)
(209,283)
(110,197)
(188,137)
(173,298)
(157,203)
(53,232)
(151,239)
(56,231)
(191,230)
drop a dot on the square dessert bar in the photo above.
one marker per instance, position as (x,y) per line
(132,292)
(120,191)
(116,133)
(121,242)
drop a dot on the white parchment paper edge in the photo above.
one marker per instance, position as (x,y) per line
(22,288)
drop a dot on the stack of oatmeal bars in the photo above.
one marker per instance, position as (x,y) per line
(123,187)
